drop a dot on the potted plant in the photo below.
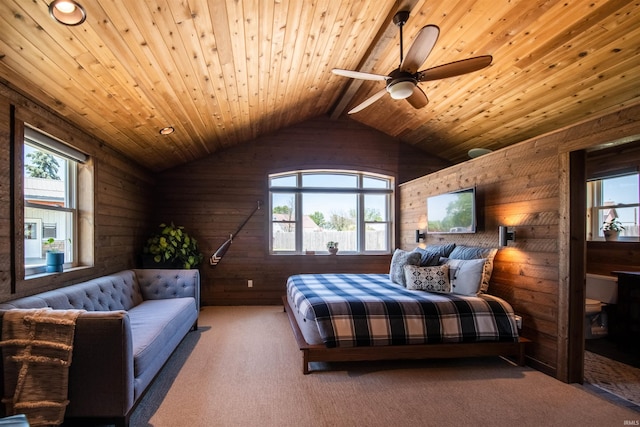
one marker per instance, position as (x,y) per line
(332,247)
(171,247)
(55,258)
(611,229)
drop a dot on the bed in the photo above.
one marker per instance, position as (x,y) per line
(357,317)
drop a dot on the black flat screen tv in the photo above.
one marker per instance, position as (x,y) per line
(453,212)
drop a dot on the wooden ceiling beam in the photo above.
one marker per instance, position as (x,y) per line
(385,35)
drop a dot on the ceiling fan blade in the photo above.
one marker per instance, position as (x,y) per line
(453,69)
(418,98)
(358,75)
(368,101)
(420,49)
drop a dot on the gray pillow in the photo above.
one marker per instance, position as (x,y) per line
(431,254)
(466,275)
(398,261)
(475,252)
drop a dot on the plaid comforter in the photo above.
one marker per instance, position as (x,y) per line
(368,309)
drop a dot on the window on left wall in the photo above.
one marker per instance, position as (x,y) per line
(50,193)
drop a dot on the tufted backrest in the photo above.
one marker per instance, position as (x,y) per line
(118,291)
(159,284)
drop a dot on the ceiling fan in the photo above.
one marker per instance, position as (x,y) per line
(402,83)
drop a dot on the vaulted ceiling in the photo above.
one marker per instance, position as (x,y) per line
(225,72)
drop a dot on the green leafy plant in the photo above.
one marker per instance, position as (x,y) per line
(332,244)
(49,245)
(613,225)
(173,245)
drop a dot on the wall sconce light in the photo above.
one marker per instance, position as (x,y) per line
(67,12)
(506,235)
(419,236)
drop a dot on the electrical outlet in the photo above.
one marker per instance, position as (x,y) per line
(250,283)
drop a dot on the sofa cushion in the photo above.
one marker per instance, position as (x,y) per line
(118,291)
(157,327)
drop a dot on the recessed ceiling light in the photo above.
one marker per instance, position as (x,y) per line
(67,12)
(167,131)
(477,152)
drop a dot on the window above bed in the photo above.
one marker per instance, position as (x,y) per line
(311,208)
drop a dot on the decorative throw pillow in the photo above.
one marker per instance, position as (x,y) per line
(466,275)
(431,279)
(398,261)
(475,252)
(431,254)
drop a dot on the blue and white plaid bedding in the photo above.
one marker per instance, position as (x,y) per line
(369,309)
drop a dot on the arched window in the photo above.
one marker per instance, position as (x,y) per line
(311,208)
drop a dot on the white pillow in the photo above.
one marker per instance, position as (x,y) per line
(466,275)
(398,261)
(431,279)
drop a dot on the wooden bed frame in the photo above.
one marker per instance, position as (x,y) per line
(320,353)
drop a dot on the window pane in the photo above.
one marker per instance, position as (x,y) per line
(329,217)
(326,180)
(284,206)
(620,190)
(45,178)
(627,216)
(369,182)
(283,237)
(284,181)
(376,236)
(375,207)
(45,222)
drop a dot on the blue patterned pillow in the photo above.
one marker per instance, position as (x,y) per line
(431,279)
(398,261)
(431,254)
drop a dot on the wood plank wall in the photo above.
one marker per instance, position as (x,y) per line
(122,202)
(521,186)
(212,197)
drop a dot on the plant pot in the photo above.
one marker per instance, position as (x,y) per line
(611,235)
(55,261)
(333,251)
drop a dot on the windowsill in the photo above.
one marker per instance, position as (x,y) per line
(66,270)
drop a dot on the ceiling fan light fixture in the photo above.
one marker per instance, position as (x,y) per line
(401,89)
(67,12)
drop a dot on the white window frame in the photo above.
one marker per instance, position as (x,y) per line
(299,190)
(595,204)
(39,140)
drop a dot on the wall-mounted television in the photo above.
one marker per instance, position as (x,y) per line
(453,212)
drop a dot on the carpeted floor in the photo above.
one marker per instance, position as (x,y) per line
(242,368)
(614,377)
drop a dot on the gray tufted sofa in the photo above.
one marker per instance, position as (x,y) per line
(135,319)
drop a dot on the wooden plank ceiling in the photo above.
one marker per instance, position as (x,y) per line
(225,72)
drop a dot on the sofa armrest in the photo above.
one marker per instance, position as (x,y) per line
(164,284)
(101,375)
